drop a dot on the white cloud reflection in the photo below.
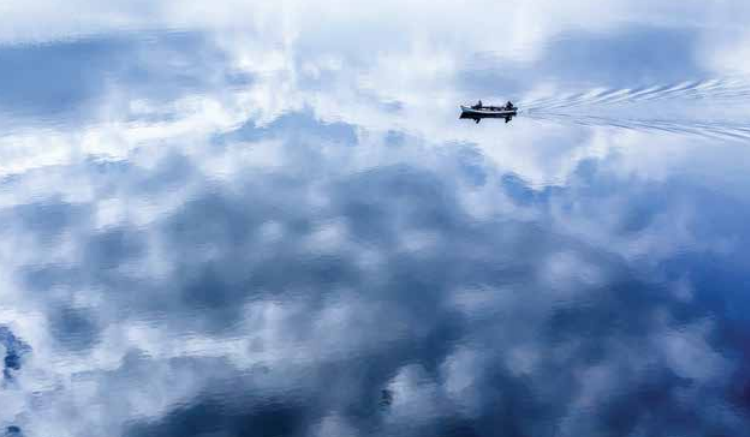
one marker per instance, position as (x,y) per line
(328,232)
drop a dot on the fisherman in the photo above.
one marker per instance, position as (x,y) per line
(509,105)
(478,105)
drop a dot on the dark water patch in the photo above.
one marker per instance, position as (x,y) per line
(15,350)
(13,431)
(75,329)
(214,417)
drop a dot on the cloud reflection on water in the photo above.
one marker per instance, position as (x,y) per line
(269,255)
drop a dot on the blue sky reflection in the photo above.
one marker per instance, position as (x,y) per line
(261,226)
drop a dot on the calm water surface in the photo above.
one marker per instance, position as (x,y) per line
(249,220)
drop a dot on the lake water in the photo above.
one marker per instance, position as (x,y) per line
(238,219)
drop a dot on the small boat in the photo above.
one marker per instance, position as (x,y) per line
(479,111)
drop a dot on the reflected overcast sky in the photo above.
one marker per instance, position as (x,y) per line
(229,219)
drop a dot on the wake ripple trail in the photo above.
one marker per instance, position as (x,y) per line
(712,89)
(714,130)
(589,107)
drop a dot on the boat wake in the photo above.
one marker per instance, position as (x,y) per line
(711,89)
(713,129)
(715,108)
